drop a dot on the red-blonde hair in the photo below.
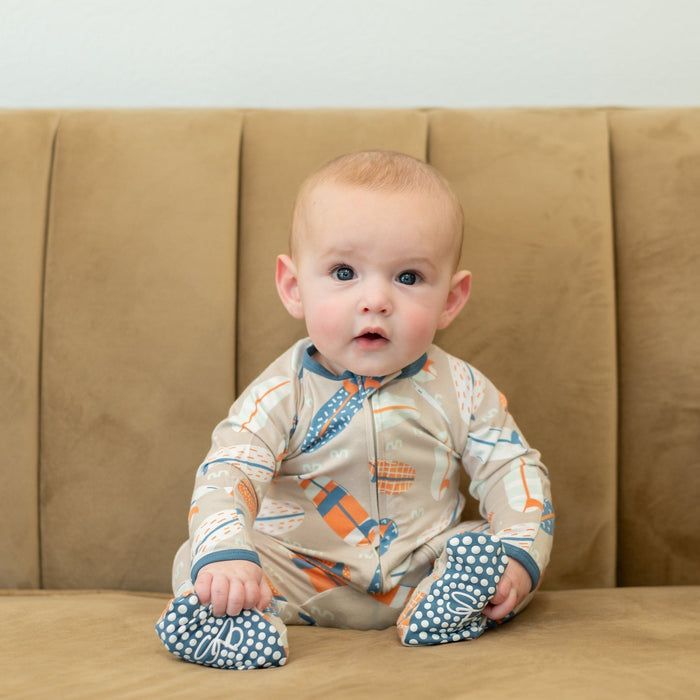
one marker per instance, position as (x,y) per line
(384,171)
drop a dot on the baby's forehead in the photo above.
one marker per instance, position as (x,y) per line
(336,195)
(331,202)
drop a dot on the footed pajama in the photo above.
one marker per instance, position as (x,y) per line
(346,490)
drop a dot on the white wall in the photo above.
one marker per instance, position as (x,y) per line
(365,53)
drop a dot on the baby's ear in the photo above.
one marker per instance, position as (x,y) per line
(288,286)
(460,287)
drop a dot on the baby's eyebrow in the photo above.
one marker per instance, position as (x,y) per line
(422,262)
(419,261)
(337,252)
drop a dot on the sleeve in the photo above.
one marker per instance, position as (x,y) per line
(507,476)
(246,454)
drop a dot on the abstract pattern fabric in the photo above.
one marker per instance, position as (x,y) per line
(353,475)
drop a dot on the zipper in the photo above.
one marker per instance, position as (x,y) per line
(372,459)
(376,576)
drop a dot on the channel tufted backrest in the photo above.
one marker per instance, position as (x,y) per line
(137,254)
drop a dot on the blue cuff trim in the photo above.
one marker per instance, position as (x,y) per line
(225,555)
(522,557)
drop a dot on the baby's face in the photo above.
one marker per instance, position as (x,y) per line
(374,272)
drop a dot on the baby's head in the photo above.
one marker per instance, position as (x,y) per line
(375,243)
(381,171)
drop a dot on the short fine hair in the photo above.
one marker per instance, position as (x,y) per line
(384,171)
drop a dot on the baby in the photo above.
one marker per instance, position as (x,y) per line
(330,495)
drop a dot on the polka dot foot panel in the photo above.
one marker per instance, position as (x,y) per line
(249,640)
(447,607)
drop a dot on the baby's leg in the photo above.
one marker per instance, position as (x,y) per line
(252,639)
(447,605)
(314,591)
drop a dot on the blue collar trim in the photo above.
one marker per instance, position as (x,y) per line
(310,364)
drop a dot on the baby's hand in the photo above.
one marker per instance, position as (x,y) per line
(232,586)
(512,589)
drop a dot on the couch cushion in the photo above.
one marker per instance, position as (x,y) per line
(541,319)
(26,144)
(568,644)
(138,336)
(656,166)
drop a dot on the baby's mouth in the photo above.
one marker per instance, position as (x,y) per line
(371,339)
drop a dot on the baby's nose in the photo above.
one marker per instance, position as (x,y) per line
(376,299)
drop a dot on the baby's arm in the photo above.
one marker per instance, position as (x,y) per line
(512,486)
(512,589)
(231,484)
(232,586)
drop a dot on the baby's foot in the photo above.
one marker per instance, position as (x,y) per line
(251,639)
(446,607)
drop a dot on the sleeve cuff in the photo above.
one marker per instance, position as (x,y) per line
(224,555)
(522,557)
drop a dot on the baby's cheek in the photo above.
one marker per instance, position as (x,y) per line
(325,322)
(420,327)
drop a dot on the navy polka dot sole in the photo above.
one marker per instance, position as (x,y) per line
(249,640)
(448,608)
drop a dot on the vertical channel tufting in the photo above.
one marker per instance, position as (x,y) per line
(138,336)
(26,143)
(535,187)
(656,167)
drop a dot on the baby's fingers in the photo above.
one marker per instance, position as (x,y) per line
(497,611)
(202,587)
(237,600)
(503,601)
(222,590)
(255,595)
(265,595)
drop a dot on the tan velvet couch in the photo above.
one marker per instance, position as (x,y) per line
(137,253)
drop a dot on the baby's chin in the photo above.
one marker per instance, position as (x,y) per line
(359,368)
(367,357)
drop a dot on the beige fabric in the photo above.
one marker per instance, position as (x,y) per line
(656,164)
(138,337)
(541,320)
(26,141)
(567,644)
(280,149)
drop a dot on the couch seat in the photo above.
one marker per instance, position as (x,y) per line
(599,643)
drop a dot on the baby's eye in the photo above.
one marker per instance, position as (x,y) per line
(343,273)
(408,278)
